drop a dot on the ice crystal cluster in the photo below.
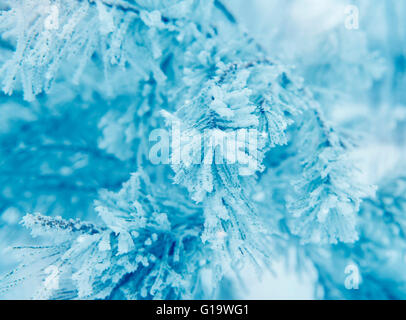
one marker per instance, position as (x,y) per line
(87,84)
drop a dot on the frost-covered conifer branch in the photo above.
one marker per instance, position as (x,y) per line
(377,258)
(145,250)
(327,196)
(188,61)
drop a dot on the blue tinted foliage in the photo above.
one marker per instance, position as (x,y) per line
(88,87)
